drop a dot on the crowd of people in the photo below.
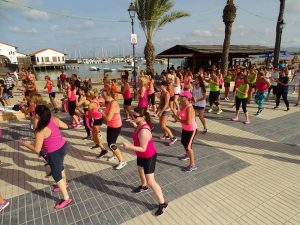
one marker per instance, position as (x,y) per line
(181,96)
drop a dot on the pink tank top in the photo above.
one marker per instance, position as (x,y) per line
(72,97)
(150,150)
(116,120)
(95,112)
(150,88)
(127,93)
(183,116)
(238,82)
(55,141)
(143,101)
(261,86)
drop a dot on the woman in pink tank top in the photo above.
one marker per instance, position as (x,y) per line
(125,89)
(96,118)
(71,94)
(142,93)
(146,156)
(114,125)
(49,138)
(262,86)
(189,128)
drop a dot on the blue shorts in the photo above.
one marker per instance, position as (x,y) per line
(5,96)
(198,107)
(56,162)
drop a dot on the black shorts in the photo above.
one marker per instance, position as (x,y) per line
(151,98)
(214,96)
(112,135)
(127,101)
(147,163)
(52,95)
(56,161)
(187,138)
(198,107)
(172,98)
(226,84)
(72,107)
(98,122)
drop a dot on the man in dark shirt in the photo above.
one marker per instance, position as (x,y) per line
(63,78)
(76,82)
(282,89)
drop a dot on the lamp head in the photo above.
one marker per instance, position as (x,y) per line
(132,10)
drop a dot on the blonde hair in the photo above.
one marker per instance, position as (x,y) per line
(37,99)
(143,80)
(92,93)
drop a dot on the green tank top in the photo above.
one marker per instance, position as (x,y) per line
(227,79)
(251,78)
(213,87)
(242,89)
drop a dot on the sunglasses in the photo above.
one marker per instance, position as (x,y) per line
(136,116)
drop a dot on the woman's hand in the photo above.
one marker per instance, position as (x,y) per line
(125,145)
(23,142)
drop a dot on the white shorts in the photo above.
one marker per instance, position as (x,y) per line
(176,90)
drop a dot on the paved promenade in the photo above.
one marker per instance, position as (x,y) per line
(247,174)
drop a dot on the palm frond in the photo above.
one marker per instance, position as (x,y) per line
(171,18)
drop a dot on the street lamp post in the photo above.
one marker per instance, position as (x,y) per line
(132,11)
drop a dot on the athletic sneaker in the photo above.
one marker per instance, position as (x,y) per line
(86,138)
(140,189)
(127,120)
(296,104)
(210,110)
(184,158)
(102,153)
(95,146)
(121,165)
(77,126)
(276,107)
(111,158)
(172,141)
(191,168)
(164,137)
(219,111)
(204,131)
(235,118)
(161,209)
(56,189)
(63,203)
(246,122)
(226,99)
(4,204)
(258,113)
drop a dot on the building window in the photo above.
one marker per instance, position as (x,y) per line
(58,59)
(54,59)
(42,59)
(37,59)
(46,59)
(63,58)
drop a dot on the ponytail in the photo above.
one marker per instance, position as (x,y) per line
(143,112)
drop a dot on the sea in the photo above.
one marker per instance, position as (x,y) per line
(82,70)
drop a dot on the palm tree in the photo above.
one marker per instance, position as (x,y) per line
(153,16)
(279,27)
(229,15)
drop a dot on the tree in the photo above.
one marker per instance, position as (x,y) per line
(153,16)
(279,27)
(229,15)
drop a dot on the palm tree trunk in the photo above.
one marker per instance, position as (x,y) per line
(226,46)
(149,52)
(279,28)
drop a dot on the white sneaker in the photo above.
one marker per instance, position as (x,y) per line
(121,165)
(111,158)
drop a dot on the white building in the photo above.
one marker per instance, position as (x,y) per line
(8,52)
(48,56)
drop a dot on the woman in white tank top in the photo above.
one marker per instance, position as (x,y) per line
(296,79)
(199,100)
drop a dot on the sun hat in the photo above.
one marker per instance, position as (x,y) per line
(187,94)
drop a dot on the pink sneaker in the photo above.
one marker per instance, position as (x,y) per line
(63,203)
(247,122)
(56,189)
(235,118)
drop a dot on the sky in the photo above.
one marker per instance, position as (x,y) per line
(97,27)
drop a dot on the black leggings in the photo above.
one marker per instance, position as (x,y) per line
(284,97)
(112,136)
(238,102)
(87,129)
